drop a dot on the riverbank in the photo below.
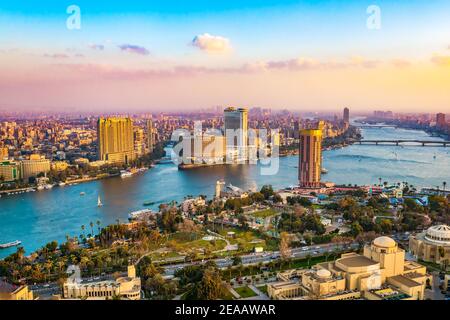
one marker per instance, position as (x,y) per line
(66,183)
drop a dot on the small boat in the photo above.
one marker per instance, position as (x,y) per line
(82,193)
(324,171)
(10,244)
(99,201)
(125,174)
(148,203)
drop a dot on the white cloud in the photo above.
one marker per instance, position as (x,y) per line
(211,44)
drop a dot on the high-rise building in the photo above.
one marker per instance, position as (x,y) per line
(9,171)
(139,142)
(150,136)
(236,133)
(310,157)
(440,120)
(115,140)
(296,129)
(346,115)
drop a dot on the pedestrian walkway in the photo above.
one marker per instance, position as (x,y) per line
(234,293)
(261,295)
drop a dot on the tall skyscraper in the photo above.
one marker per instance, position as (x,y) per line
(115,140)
(139,142)
(150,136)
(346,115)
(440,120)
(296,129)
(236,133)
(310,160)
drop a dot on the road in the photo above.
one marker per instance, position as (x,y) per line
(266,257)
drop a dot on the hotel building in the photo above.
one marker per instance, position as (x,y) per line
(433,245)
(35,165)
(380,273)
(202,148)
(310,159)
(236,133)
(115,140)
(9,171)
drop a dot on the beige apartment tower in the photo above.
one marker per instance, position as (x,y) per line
(115,140)
(310,157)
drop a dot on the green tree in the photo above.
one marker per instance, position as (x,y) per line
(210,287)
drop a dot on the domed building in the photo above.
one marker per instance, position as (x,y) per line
(380,273)
(433,245)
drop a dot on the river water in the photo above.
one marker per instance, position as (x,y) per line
(40,217)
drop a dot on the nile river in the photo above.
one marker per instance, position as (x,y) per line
(39,217)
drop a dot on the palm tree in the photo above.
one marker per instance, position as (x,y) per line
(444,184)
(82,228)
(98,226)
(91,224)
(379,179)
(20,254)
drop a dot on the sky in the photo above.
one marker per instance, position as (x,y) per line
(186,55)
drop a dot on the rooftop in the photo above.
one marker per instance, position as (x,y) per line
(384,242)
(405,281)
(6,287)
(356,261)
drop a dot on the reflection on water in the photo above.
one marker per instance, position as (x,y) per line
(39,217)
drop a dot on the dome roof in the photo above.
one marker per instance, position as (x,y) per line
(439,233)
(384,242)
(323,273)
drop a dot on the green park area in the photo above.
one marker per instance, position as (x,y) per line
(264,213)
(245,292)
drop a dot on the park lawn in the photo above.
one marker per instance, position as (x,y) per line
(264,213)
(263,289)
(245,292)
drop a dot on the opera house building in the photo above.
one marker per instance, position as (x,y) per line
(125,287)
(380,273)
(432,245)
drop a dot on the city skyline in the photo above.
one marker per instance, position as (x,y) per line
(299,55)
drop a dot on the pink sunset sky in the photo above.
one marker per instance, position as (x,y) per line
(296,55)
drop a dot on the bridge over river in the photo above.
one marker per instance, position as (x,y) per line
(431,143)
